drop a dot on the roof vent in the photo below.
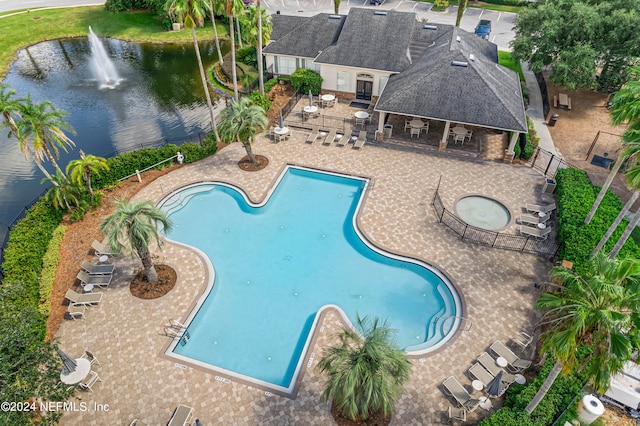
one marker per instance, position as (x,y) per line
(335,17)
(380,13)
(430,27)
(460,63)
(472,57)
(458,39)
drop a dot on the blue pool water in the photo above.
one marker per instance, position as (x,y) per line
(276,265)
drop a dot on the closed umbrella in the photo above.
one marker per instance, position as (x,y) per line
(198,423)
(495,385)
(69,363)
(281,122)
(310,98)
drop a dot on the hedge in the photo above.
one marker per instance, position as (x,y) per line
(576,195)
(48,273)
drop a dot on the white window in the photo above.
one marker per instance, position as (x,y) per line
(382,84)
(286,66)
(343,81)
(310,65)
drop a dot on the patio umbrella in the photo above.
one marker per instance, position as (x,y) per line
(69,363)
(495,385)
(198,423)
(281,122)
(310,98)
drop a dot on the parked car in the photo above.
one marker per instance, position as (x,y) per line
(375,2)
(483,29)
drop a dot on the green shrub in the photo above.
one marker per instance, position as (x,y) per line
(48,273)
(576,195)
(440,5)
(532,142)
(304,80)
(268,85)
(507,417)
(247,56)
(263,101)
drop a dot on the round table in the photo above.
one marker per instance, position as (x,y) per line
(103,258)
(477,385)
(328,98)
(501,362)
(485,403)
(541,214)
(460,131)
(77,375)
(361,114)
(281,130)
(520,379)
(310,109)
(542,225)
(416,123)
(88,288)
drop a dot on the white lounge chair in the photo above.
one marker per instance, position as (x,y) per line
(314,134)
(98,268)
(537,208)
(181,416)
(489,363)
(457,414)
(515,363)
(91,357)
(535,231)
(342,141)
(453,388)
(362,138)
(103,249)
(523,340)
(95,280)
(533,219)
(76,311)
(88,382)
(478,372)
(330,137)
(83,299)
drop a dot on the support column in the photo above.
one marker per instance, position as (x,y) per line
(445,137)
(380,132)
(509,153)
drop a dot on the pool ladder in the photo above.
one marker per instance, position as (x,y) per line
(177,329)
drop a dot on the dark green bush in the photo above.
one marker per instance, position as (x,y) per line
(576,195)
(304,80)
(247,56)
(263,101)
(156,6)
(268,85)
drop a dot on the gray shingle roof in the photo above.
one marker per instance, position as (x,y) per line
(481,93)
(303,37)
(371,40)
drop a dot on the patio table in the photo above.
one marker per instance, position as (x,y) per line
(311,109)
(361,114)
(416,123)
(82,370)
(327,100)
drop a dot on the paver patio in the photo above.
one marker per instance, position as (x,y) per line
(126,334)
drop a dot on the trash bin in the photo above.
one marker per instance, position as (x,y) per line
(589,409)
(388,129)
(549,186)
(553,119)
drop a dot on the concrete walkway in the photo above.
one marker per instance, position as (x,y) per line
(536,113)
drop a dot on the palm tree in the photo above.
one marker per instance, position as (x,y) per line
(462,5)
(192,13)
(215,31)
(9,107)
(233,8)
(595,309)
(80,171)
(134,226)
(366,371)
(241,121)
(256,30)
(336,6)
(40,131)
(63,193)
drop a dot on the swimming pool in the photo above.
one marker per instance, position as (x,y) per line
(278,264)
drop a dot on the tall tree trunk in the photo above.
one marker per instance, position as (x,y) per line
(51,158)
(462,5)
(87,177)
(238,31)
(205,86)
(603,191)
(615,223)
(247,147)
(233,60)
(149,269)
(553,374)
(215,32)
(260,59)
(625,235)
(45,172)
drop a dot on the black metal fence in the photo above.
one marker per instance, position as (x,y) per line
(195,137)
(296,118)
(491,238)
(548,163)
(546,108)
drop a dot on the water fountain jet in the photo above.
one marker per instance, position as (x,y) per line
(102,67)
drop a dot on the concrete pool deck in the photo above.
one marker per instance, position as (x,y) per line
(126,334)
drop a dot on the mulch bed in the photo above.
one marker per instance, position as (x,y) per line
(143,289)
(375,419)
(248,166)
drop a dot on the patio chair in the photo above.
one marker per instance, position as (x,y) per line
(362,138)
(98,269)
(535,232)
(478,372)
(95,280)
(536,208)
(457,414)
(103,249)
(523,340)
(330,137)
(514,362)
(87,383)
(468,135)
(314,134)
(425,128)
(91,357)
(83,299)
(407,125)
(342,140)
(360,121)
(458,138)
(533,219)
(182,416)
(415,131)
(489,363)
(76,311)
(453,388)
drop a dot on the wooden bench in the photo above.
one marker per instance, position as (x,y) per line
(555,101)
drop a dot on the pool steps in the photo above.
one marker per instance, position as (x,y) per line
(436,329)
(181,197)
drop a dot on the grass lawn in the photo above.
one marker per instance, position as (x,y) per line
(505,59)
(20,31)
(480,5)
